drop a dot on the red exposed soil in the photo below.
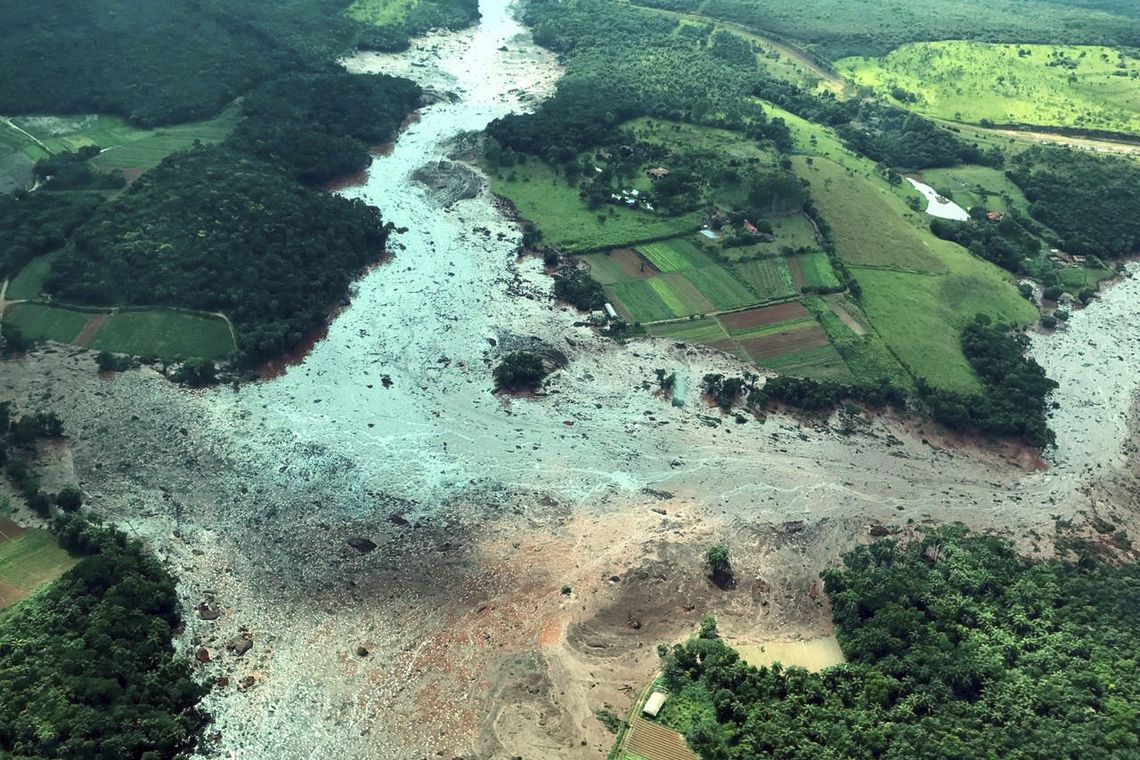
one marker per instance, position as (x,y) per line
(768,315)
(633,264)
(9,530)
(793,342)
(358,179)
(93,326)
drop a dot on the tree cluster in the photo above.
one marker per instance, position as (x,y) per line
(19,436)
(956,648)
(519,370)
(37,223)
(87,668)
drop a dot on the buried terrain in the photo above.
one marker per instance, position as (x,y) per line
(377,557)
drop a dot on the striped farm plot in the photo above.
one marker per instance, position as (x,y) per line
(821,363)
(28,560)
(650,741)
(812,270)
(675,255)
(770,278)
(707,331)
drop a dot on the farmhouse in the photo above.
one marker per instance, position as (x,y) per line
(995,216)
(750,227)
(658,172)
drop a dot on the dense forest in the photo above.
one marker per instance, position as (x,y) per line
(383,33)
(157,63)
(956,648)
(212,229)
(87,668)
(1092,202)
(36,223)
(870,27)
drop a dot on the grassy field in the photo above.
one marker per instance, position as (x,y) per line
(124,147)
(29,282)
(1039,85)
(380,12)
(543,197)
(28,560)
(161,333)
(790,231)
(812,654)
(977,186)
(813,270)
(870,224)
(692,138)
(920,316)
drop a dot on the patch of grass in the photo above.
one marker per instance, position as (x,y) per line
(674,255)
(867,357)
(871,225)
(604,269)
(1076,279)
(823,363)
(770,278)
(920,316)
(817,271)
(694,138)
(541,196)
(1039,85)
(165,334)
(719,287)
(381,12)
(29,283)
(28,562)
(639,301)
(977,186)
(43,322)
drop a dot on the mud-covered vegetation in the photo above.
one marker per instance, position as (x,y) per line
(87,668)
(956,647)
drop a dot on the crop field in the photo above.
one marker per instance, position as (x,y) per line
(782,340)
(769,278)
(812,270)
(646,740)
(1038,85)
(541,196)
(707,331)
(866,355)
(743,321)
(28,560)
(674,255)
(871,225)
(616,266)
(165,334)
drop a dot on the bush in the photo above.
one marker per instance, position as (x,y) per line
(519,370)
(70,499)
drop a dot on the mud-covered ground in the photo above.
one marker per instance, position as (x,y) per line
(389,542)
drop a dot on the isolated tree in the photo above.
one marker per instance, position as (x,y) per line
(519,370)
(716,560)
(69,499)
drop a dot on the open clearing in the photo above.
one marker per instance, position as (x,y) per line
(162,333)
(543,197)
(1089,87)
(812,654)
(970,186)
(28,560)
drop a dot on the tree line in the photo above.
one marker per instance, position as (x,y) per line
(956,647)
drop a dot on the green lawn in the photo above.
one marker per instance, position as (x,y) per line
(29,283)
(162,333)
(42,322)
(541,196)
(1041,85)
(28,562)
(165,334)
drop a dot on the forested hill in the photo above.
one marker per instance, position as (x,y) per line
(157,62)
(836,29)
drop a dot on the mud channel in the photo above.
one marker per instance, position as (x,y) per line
(394,541)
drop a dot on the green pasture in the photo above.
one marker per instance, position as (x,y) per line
(542,197)
(1086,87)
(720,287)
(381,12)
(674,255)
(871,225)
(977,186)
(30,561)
(29,282)
(817,271)
(867,358)
(920,316)
(693,138)
(162,333)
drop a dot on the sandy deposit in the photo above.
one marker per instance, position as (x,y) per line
(396,555)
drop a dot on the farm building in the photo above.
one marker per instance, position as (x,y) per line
(995,216)
(610,311)
(658,172)
(750,227)
(654,703)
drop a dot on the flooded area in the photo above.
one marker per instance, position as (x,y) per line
(936,205)
(426,569)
